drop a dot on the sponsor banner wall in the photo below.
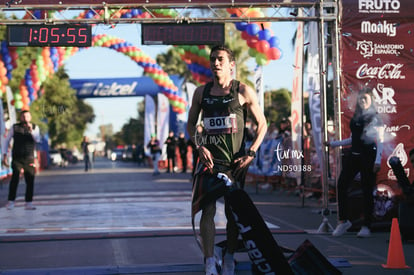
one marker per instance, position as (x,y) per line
(377,50)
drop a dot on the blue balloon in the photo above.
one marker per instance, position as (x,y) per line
(273,42)
(264,35)
(7,59)
(89,15)
(135,12)
(37,14)
(241,26)
(252,29)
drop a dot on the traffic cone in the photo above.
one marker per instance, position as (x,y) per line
(396,257)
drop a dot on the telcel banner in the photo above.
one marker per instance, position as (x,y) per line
(114,87)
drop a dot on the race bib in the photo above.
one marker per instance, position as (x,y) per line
(221,124)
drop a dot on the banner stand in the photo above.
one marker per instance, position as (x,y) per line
(325,227)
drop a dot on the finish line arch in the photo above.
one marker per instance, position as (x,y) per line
(262,43)
(50,59)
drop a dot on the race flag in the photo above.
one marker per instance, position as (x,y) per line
(296,106)
(163,119)
(149,123)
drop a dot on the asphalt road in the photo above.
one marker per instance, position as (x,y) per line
(119,219)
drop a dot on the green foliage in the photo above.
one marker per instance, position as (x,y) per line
(26,55)
(60,113)
(172,64)
(131,132)
(240,50)
(277,105)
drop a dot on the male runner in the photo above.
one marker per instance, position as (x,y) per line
(223,104)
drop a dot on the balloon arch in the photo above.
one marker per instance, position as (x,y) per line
(262,43)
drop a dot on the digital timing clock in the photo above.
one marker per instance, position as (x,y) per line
(182,34)
(49,35)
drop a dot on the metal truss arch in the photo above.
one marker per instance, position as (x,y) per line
(187,11)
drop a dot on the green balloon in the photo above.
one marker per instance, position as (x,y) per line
(252,52)
(261,60)
(17,97)
(18,104)
(194,49)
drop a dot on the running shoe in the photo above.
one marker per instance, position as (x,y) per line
(341,228)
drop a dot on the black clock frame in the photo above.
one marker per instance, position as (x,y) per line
(49,35)
(182,33)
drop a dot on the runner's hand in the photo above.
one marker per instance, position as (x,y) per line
(205,157)
(242,164)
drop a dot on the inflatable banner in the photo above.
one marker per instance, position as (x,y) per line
(114,87)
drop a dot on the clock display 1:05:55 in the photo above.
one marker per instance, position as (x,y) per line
(50,35)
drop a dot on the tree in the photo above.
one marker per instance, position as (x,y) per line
(240,50)
(172,64)
(131,132)
(58,111)
(277,105)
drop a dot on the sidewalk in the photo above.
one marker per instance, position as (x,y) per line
(147,233)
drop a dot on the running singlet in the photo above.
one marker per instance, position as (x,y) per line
(223,119)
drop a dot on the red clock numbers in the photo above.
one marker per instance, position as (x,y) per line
(49,35)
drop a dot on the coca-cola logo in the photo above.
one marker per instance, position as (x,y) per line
(387,71)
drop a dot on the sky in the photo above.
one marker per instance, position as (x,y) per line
(106,63)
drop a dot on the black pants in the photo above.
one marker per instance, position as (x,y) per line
(170,157)
(363,163)
(29,175)
(87,161)
(183,156)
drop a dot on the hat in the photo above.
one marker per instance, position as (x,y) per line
(153,135)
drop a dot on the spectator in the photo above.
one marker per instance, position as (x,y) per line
(25,135)
(182,147)
(86,154)
(140,155)
(155,149)
(171,142)
(366,142)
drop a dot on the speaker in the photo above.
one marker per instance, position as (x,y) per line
(406,220)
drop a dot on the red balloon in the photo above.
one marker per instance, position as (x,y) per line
(252,42)
(274,53)
(245,35)
(262,46)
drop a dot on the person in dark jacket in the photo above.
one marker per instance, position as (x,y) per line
(366,141)
(171,142)
(182,147)
(25,135)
